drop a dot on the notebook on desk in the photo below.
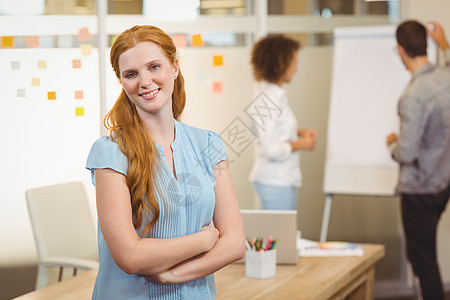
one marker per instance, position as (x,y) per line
(278,224)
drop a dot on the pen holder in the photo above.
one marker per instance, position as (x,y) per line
(260,264)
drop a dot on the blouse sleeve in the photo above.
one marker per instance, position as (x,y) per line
(216,149)
(106,154)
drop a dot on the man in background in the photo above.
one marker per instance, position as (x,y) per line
(422,148)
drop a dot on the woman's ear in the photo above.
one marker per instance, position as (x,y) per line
(176,69)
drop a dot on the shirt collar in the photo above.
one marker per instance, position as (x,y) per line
(422,70)
(277,91)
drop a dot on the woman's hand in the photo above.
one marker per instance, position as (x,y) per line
(307,140)
(211,236)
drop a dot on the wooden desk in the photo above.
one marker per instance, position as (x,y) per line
(314,278)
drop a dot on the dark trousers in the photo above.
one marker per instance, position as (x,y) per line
(421,215)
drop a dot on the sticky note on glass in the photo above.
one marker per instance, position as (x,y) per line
(7,41)
(84,34)
(197,40)
(42,64)
(33,41)
(79,111)
(180,40)
(64,41)
(51,95)
(21,93)
(86,49)
(76,63)
(15,65)
(79,95)
(217,87)
(218,60)
(35,82)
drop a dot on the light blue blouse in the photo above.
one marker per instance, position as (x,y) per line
(187,206)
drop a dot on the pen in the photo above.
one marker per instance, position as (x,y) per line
(247,245)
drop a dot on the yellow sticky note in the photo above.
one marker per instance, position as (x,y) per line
(113,39)
(197,40)
(217,60)
(76,63)
(217,87)
(179,40)
(84,34)
(86,49)
(42,64)
(33,41)
(51,95)
(7,41)
(79,95)
(36,82)
(79,111)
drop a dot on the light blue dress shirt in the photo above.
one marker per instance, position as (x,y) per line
(187,206)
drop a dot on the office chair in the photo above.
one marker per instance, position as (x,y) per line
(63,230)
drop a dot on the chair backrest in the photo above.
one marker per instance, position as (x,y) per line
(62,222)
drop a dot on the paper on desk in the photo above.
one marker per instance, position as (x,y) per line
(308,248)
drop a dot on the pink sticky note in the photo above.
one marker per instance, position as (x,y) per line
(180,40)
(79,95)
(217,87)
(33,41)
(84,34)
(76,63)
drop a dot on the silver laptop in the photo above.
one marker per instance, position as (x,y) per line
(280,225)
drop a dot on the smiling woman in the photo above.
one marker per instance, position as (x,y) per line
(158,186)
(148,79)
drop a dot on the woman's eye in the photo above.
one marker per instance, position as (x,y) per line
(129,75)
(154,67)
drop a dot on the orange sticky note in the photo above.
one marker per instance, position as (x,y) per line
(218,60)
(180,40)
(79,95)
(79,111)
(197,40)
(86,49)
(42,64)
(76,63)
(33,41)
(84,34)
(217,87)
(7,41)
(51,95)
(35,82)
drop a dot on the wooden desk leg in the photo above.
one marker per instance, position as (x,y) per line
(365,290)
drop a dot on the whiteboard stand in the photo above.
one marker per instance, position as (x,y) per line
(326,218)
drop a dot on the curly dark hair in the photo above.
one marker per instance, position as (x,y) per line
(271,57)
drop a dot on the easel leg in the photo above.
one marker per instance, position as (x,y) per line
(326,218)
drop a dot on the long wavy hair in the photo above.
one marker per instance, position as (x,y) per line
(127,129)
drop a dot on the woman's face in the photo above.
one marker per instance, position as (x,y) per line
(291,70)
(148,78)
